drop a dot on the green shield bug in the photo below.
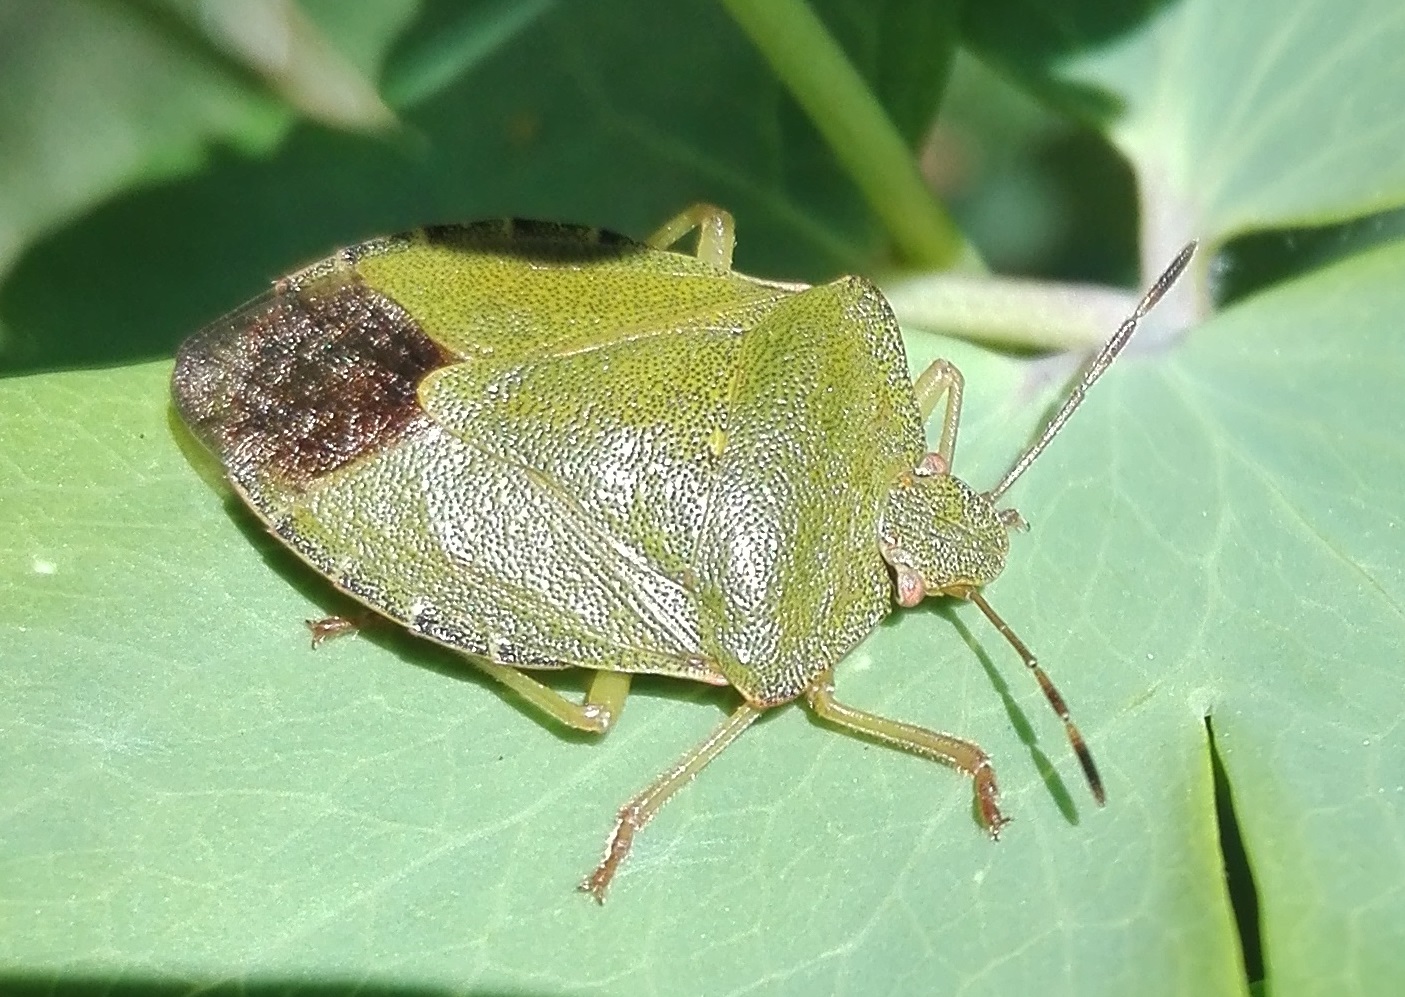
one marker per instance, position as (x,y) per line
(551,447)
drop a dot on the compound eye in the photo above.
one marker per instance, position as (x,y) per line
(911,588)
(932,465)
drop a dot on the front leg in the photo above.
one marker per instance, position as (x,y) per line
(941,378)
(716,233)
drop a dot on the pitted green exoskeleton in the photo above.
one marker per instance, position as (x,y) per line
(552,447)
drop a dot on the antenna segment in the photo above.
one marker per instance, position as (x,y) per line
(1094,369)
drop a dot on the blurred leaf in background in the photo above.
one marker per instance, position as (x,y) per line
(192,799)
(609,113)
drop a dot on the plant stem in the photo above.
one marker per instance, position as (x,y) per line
(819,75)
(1009,312)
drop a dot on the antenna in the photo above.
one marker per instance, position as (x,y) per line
(1094,370)
(1052,694)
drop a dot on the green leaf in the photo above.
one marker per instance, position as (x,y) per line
(193,798)
(1237,118)
(1263,117)
(97,97)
